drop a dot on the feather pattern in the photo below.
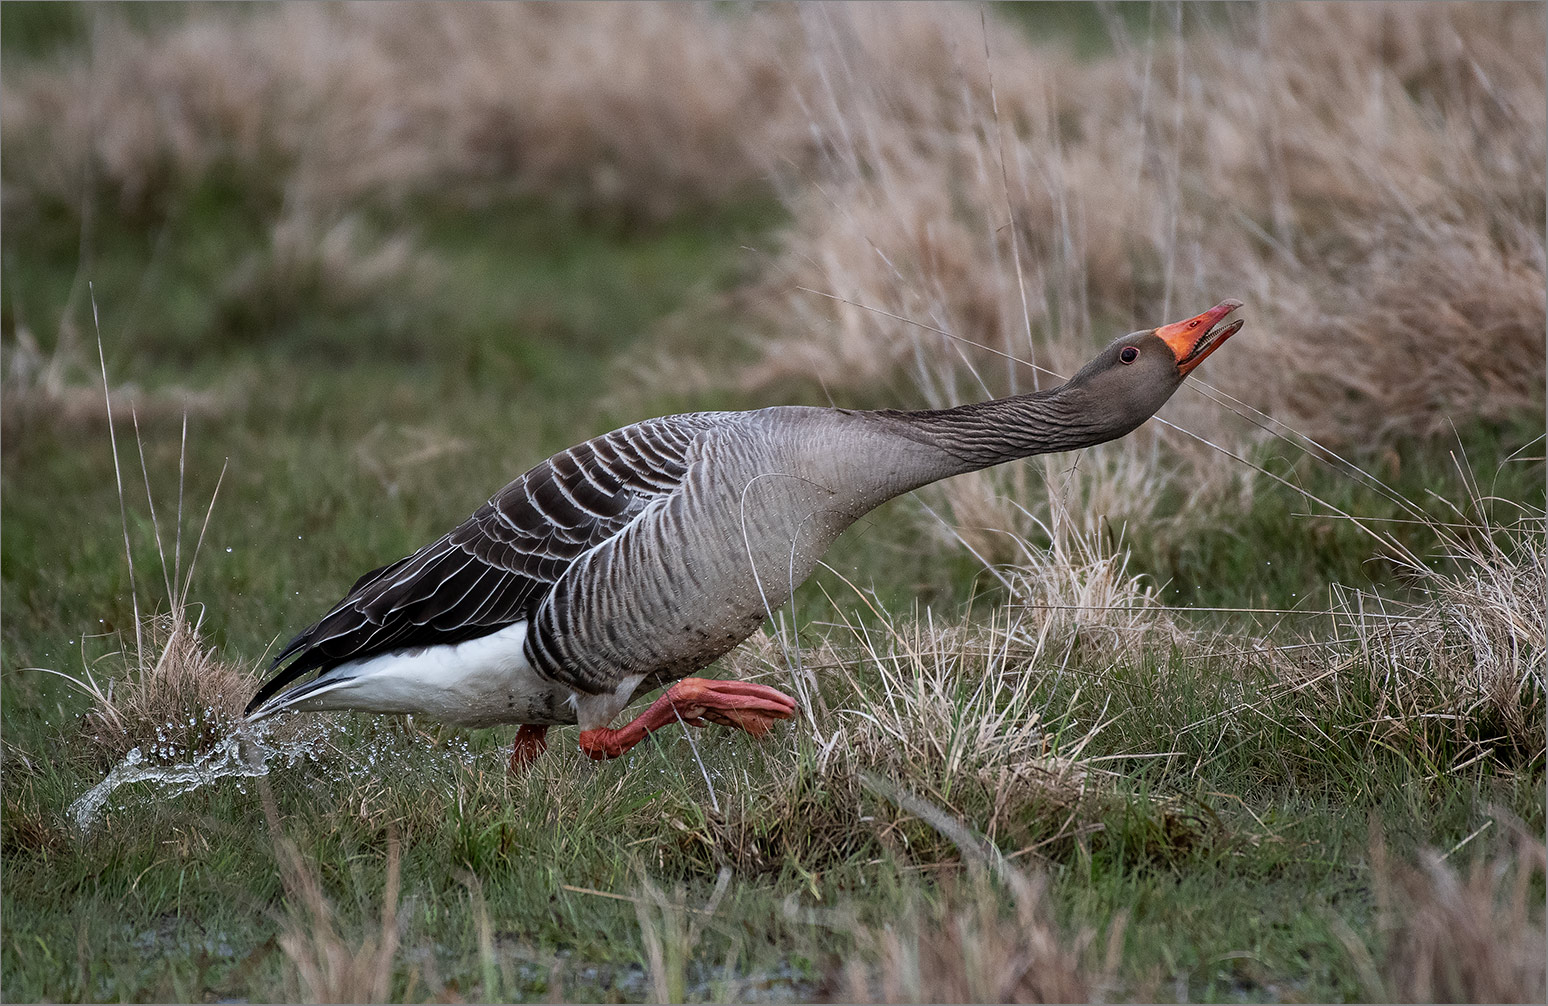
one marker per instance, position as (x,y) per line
(494,568)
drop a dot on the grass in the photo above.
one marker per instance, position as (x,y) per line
(1058,777)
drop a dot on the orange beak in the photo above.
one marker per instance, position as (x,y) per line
(1192,340)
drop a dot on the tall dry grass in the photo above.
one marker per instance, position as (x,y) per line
(969,715)
(328,966)
(165,690)
(646,107)
(1368,178)
(57,387)
(1329,164)
(330,264)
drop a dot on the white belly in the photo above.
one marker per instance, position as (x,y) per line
(478,683)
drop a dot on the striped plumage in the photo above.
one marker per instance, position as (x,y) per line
(498,565)
(646,553)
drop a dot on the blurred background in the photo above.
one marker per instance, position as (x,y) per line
(383,257)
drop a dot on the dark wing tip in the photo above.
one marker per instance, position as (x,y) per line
(307,661)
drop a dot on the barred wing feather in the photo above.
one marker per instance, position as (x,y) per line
(497,566)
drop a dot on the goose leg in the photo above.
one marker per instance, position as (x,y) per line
(531,741)
(692,701)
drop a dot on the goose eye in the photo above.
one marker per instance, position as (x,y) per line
(1129,354)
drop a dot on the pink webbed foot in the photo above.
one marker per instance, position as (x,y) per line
(692,701)
(531,741)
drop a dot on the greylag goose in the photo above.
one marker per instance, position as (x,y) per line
(626,562)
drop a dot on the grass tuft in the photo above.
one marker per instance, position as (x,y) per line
(967,945)
(174,699)
(1465,661)
(316,266)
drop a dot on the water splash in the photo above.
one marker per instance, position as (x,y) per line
(246,752)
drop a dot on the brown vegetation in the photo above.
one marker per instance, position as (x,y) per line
(642,106)
(1368,179)
(971,947)
(328,966)
(1469,934)
(60,388)
(175,700)
(1466,666)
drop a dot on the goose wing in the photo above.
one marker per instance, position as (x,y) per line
(497,566)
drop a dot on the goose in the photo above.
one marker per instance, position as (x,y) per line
(627,562)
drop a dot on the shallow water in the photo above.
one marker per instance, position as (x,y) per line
(327,744)
(246,752)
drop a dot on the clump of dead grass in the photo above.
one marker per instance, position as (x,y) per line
(941,706)
(968,946)
(171,696)
(987,937)
(1078,595)
(968,714)
(56,388)
(1462,934)
(329,968)
(1465,662)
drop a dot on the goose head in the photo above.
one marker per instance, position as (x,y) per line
(1129,380)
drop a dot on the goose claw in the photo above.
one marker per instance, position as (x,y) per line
(692,701)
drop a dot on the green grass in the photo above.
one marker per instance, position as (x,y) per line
(1235,845)
(180,898)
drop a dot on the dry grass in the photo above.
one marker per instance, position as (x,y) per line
(329,968)
(1468,934)
(314,263)
(1465,664)
(967,947)
(172,699)
(670,930)
(1367,178)
(641,106)
(987,940)
(948,707)
(962,713)
(1314,157)
(59,389)
(1079,592)
(169,694)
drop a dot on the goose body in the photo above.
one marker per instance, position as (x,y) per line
(642,555)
